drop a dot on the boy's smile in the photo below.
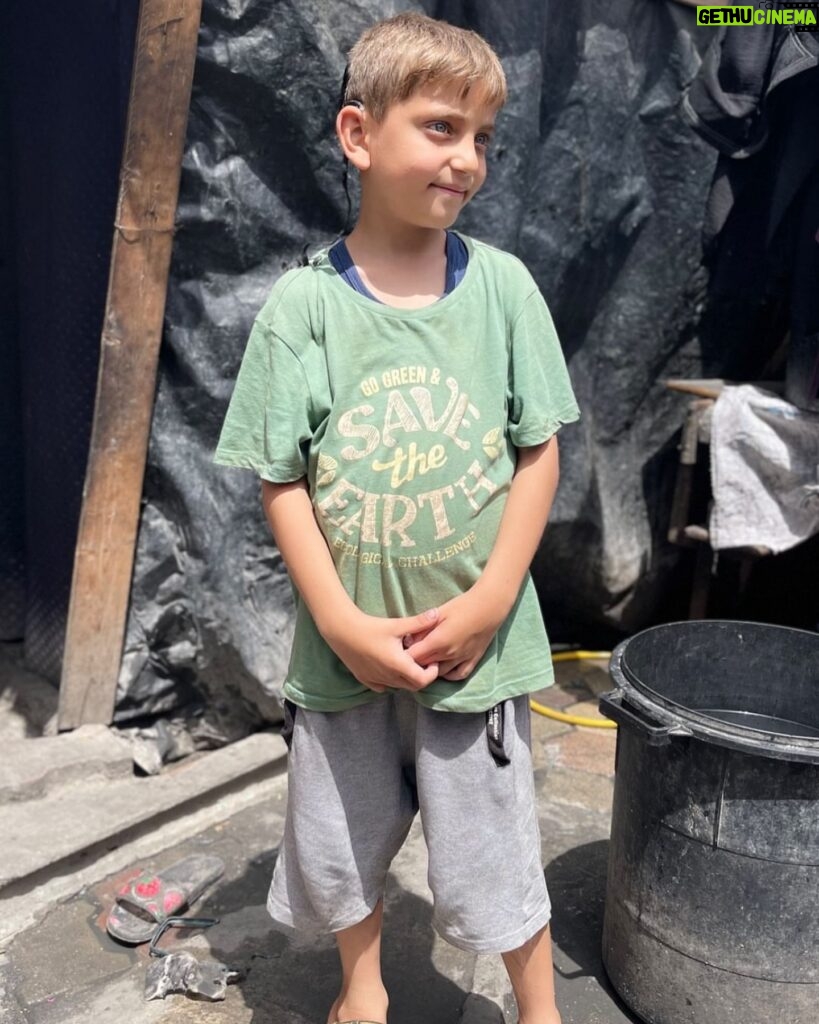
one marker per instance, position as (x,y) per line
(427,157)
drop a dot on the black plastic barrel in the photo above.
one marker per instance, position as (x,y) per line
(712,896)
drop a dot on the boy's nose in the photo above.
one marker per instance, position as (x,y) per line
(466,157)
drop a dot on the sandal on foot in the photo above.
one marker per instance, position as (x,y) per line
(149,899)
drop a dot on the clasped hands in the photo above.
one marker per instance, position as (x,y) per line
(409,653)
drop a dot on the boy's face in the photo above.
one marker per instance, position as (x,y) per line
(427,157)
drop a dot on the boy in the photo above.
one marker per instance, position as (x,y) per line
(399,399)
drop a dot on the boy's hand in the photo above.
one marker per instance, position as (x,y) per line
(467,623)
(373,649)
(458,641)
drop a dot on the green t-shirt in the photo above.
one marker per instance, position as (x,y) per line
(405,423)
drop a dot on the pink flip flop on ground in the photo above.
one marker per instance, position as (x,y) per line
(147,900)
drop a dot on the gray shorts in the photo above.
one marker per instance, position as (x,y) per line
(356,779)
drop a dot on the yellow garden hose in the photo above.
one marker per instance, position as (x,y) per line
(561,716)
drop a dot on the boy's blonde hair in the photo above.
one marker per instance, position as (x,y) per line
(395,57)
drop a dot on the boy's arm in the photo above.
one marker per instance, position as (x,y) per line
(370,647)
(467,623)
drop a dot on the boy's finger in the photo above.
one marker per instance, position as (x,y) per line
(422,676)
(418,623)
(455,672)
(434,647)
(408,639)
(445,667)
(420,649)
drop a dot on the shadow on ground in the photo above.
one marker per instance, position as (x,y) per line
(290,980)
(577,884)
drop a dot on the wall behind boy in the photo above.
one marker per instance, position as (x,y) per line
(594,181)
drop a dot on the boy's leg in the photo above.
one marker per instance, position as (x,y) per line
(480,823)
(349,808)
(362,995)
(531,973)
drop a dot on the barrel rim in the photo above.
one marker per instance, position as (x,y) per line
(686,721)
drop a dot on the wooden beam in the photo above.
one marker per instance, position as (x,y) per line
(712,388)
(140,259)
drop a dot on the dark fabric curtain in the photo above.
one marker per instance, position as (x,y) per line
(63,103)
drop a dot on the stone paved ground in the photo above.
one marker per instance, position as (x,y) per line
(66,970)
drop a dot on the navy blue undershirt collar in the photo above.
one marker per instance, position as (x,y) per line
(457,258)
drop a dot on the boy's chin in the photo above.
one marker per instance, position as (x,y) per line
(445,219)
(436,224)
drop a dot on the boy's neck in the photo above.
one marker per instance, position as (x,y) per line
(402,266)
(373,239)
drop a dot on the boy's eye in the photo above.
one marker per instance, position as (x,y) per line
(482,139)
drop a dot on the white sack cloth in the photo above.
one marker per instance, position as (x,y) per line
(764,471)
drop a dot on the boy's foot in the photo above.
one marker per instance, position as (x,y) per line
(347,1010)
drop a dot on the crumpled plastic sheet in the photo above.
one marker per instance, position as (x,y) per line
(182,972)
(160,743)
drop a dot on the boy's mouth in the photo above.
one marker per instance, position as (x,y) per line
(451,191)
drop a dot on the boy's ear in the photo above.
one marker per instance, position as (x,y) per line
(353,131)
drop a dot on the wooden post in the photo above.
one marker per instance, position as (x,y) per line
(149,187)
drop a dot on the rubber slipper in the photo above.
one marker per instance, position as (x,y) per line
(149,899)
